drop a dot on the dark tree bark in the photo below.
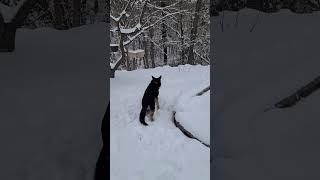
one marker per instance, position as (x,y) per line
(58,15)
(194,31)
(7,37)
(107,9)
(76,13)
(83,14)
(182,36)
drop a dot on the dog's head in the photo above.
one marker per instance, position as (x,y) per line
(156,81)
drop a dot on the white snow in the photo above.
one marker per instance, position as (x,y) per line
(136,51)
(193,113)
(254,71)
(114,45)
(53,97)
(130,30)
(159,151)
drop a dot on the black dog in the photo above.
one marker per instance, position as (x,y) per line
(150,98)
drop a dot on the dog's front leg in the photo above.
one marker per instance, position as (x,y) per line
(157,102)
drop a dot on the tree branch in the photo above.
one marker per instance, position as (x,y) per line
(303,92)
(203,91)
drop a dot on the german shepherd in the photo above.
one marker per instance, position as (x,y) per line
(150,99)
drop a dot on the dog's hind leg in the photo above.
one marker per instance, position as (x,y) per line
(152,108)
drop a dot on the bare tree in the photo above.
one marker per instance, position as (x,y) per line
(13,19)
(164,35)
(128,25)
(76,13)
(153,64)
(58,14)
(194,31)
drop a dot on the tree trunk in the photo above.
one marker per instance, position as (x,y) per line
(164,37)
(112,73)
(83,15)
(153,65)
(194,31)
(123,53)
(58,15)
(135,64)
(7,37)
(146,45)
(128,64)
(182,37)
(76,13)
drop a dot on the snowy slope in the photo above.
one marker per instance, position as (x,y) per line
(159,151)
(53,95)
(254,70)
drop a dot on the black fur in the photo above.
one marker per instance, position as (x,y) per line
(149,98)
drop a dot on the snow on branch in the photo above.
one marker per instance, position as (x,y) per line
(130,30)
(118,61)
(124,12)
(138,29)
(114,45)
(131,38)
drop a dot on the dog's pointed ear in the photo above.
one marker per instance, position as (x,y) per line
(160,77)
(153,77)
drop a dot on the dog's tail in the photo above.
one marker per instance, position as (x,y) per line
(142,116)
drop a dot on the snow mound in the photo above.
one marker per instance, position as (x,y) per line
(193,113)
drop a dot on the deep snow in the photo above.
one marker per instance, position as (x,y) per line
(159,151)
(53,92)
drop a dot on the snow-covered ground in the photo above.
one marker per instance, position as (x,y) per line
(254,70)
(53,91)
(159,151)
(193,112)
